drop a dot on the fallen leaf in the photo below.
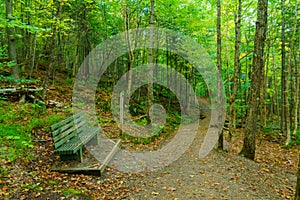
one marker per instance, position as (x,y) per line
(37,195)
(266,169)
(172,189)
(236,177)
(4,188)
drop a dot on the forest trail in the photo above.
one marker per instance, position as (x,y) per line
(219,175)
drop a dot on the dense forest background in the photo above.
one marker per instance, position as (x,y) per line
(255,46)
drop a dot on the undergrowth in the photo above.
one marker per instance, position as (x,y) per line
(17,122)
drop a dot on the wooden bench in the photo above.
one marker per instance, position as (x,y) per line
(71,134)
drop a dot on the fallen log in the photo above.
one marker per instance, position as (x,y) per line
(22,94)
(14,90)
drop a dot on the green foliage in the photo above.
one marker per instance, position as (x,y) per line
(32,186)
(5,70)
(69,81)
(3,172)
(165,131)
(272,130)
(53,119)
(38,108)
(16,125)
(10,79)
(72,192)
(5,64)
(51,182)
(296,139)
(142,122)
(15,139)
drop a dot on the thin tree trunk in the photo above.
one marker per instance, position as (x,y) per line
(130,53)
(265,85)
(287,108)
(150,58)
(285,82)
(295,72)
(12,52)
(246,92)
(283,73)
(52,53)
(258,65)
(296,96)
(33,54)
(236,67)
(219,58)
(276,92)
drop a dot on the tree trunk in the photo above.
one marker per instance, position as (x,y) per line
(219,58)
(257,63)
(296,96)
(228,76)
(276,92)
(285,82)
(52,53)
(236,67)
(283,73)
(130,53)
(150,60)
(12,52)
(295,85)
(33,54)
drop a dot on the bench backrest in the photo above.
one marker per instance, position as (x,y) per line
(65,130)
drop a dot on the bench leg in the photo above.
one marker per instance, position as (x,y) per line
(94,140)
(77,156)
(66,157)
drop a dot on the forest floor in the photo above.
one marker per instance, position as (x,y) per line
(220,175)
(223,175)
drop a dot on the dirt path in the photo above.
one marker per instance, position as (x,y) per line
(217,176)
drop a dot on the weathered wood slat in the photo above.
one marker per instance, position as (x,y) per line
(77,142)
(109,156)
(64,127)
(67,138)
(62,133)
(77,124)
(66,121)
(70,147)
(88,134)
(79,170)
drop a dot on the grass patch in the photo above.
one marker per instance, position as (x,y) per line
(17,121)
(72,192)
(51,182)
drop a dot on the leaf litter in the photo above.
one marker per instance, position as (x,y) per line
(220,175)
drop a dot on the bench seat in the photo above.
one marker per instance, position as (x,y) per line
(71,134)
